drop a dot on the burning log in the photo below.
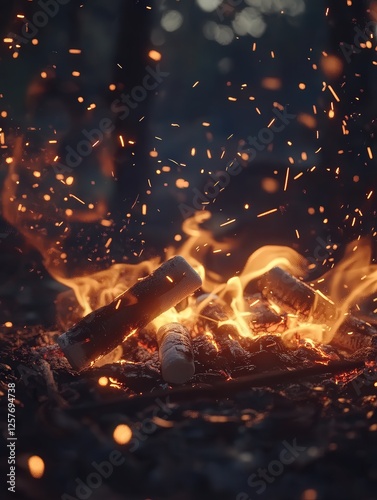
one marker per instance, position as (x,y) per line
(296,297)
(112,357)
(175,352)
(104,329)
(211,311)
(354,334)
(262,318)
(233,353)
(206,353)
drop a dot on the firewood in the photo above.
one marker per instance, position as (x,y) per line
(354,334)
(234,354)
(308,304)
(262,318)
(175,353)
(212,308)
(206,353)
(296,297)
(104,329)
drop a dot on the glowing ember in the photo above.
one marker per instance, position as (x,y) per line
(36,466)
(122,434)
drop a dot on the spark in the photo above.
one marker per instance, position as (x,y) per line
(76,198)
(36,466)
(154,55)
(333,93)
(370,154)
(103,381)
(268,212)
(195,84)
(121,141)
(134,203)
(324,297)
(228,222)
(286,179)
(122,434)
(173,161)
(169,279)
(254,303)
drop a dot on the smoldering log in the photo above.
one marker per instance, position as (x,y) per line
(205,353)
(140,347)
(211,311)
(297,297)
(104,329)
(229,348)
(175,353)
(262,318)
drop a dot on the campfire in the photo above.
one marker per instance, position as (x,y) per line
(172,329)
(183,322)
(177,313)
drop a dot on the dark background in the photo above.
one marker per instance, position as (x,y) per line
(115,39)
